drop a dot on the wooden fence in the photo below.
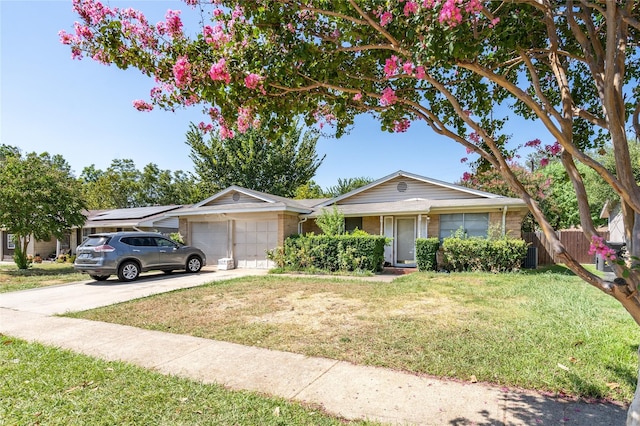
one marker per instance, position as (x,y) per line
(574,241)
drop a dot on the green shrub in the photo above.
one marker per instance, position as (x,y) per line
(349,253)
(331,222)
(426,249)
(480,254)
(20,258)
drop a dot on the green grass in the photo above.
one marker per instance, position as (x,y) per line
(48,386)
(543,330)
(38,275)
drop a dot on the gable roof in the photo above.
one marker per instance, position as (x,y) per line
(400,173)
(253,201)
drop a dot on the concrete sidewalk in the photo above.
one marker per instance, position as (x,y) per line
(344,389)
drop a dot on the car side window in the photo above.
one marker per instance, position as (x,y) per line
(163,242)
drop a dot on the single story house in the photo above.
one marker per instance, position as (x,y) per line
(612,212)
(242,224)
(131,219)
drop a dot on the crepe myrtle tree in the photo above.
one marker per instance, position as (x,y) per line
(461,66)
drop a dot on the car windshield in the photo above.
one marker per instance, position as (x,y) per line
(96,240)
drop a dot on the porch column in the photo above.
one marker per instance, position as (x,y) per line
(2,245)
(420,225)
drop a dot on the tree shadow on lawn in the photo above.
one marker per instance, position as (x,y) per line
(34,271)
(550,269)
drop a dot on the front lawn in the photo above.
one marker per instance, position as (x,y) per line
(545,331)
(38,275)
(47,386)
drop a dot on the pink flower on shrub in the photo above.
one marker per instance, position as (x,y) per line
(401,126)
(182,71)
(226,133)
(599,247)
(544,162)
(357,96)
(533,143)
(218,71)
(410,7)
(388,97)
(450,13)
(385,18)
(141,105)
(174,23)
(420,73)
(252,80)
(391,66)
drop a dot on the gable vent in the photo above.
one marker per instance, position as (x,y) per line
(235,196)
(402,186)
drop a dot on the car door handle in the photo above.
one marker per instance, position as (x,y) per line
(163,251)
(135,251)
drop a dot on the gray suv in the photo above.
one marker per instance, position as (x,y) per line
(129,253)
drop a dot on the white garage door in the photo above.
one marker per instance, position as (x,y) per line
(211,238)
(252,239)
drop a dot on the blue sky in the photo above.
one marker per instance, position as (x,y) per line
(83,110)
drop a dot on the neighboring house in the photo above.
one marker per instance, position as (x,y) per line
(243,224)
(611,211)
(8,244)
(132,219)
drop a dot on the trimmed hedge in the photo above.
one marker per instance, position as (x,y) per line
(331,253)
(426,249)
(480,254)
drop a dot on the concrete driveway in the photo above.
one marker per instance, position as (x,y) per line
(89,294)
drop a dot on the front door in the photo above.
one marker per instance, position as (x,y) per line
(405,241)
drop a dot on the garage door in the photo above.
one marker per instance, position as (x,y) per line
(252,239)
(211,238)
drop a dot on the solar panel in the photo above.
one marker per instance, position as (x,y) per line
(133,213)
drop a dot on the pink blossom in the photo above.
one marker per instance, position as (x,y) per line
(410,7)
(474,137)
(252,80)
(388,97)
(407,67)
(598,246)
(533,143)
(466,176)
(464,159)
(391,66)
(141,105)
(450,13)
(400,126)
(474,6)
(218,12)
(420,73)
(182,71)
(544,162)
(66,38)
(385,18)
(226,133)
(174,23)
(553,149)
(244,119)
(206,128)
(357,96)
(218,71)
(494,22)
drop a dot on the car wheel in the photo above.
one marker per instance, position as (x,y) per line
(194,264)
(99,277)
(128,271)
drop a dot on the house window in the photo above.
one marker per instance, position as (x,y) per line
(473,224)
(351,223)
(86,232)
(11,242)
